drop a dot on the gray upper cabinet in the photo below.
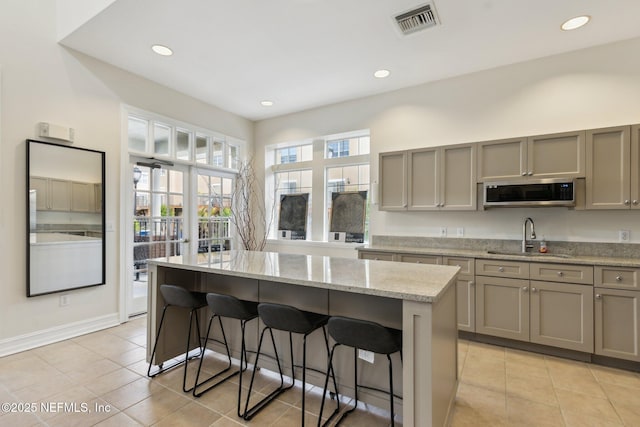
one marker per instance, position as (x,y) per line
(442,178)
(502,160)
(51,194)
(393,181)
(558,155)
(83,197)
(610,163)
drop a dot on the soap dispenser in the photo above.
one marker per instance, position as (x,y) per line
(543,246)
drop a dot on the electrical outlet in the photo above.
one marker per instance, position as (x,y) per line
(624,235)
(64,300)
(443,231)
(365,355)
(460,232)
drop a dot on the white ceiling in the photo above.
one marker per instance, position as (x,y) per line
(306,53)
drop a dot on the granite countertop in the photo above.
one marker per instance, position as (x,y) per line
(510,256)
(415,282)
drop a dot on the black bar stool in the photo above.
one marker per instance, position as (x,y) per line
(178,296)
(365,335)
(288,319)
(234,308)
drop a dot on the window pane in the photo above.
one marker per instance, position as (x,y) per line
(364,144)
(363,178)
(203,185)
(334,174)
(218,153)
(182,145)
(305,180)
(227,186)
(160,180)
(175,181)
(161,135)
(201,149)
(350,177)
(138,130)
(306,153)
(233,157)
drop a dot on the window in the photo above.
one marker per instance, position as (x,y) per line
(183,145)
(301,153)
(347,147)
(341,162)
(138,130)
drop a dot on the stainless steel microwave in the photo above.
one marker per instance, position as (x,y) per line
(541,192)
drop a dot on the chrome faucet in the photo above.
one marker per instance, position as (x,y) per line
(526,245)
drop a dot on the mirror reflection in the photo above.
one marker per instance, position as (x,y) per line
(65,218)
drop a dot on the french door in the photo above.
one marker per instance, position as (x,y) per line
(159,223)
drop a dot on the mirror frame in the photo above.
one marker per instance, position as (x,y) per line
(30,144)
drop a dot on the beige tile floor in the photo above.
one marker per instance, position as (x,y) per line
(100,379)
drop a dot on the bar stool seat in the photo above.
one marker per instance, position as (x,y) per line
(177,296)
(292,320)
(364,335)
(230,307)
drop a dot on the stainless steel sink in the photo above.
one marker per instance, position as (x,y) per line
(529,254)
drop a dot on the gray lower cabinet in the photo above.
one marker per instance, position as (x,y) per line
(539,311)
(617,323)
(561,315)
(502,307)
(376,256)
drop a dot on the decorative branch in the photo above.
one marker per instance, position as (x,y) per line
(249,215)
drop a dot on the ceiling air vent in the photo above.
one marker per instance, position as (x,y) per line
(417,19)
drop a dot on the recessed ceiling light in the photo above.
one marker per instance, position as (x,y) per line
(381,74)
(266,103)
(573,23)
(161,50)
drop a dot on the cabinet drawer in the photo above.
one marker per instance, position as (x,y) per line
(498,268)
(420,259)
(466,264)
(564,273)
(382,256)
(617,277)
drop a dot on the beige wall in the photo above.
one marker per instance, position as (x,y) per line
(591,88)
(43,81)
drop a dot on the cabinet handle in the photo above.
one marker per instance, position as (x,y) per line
(418,262)
(618,278)
(501,269)
(598,296)
(626,203)
(524,174)
(525,288)
(472,283)
(560,273)
(534,290)
(530,173)
(635,202)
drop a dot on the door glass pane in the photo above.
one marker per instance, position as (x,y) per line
(201,149)
(182,145)
(175,181)
(161,134)
(138,130)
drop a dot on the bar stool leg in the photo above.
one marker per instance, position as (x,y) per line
(249,413)
(206,338)
(326,385)
(391,390)
(187,358)
(155,344)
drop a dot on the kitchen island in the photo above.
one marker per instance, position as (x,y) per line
(419,299)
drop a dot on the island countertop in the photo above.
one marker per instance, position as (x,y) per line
(414,282)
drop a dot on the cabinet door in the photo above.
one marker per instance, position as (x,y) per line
(502,307)
(458,180)
(59,195)
(424,171)
(617,277)
(617,323)
(82,197)
(41,188)
(562,315)
(635,167)
(556,155)
(466,297)
(97,189)
(503,159)
(393,181)
(608,177)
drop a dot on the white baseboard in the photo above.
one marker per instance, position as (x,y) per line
(58,333)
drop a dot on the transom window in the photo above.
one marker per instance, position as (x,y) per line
(347,147)
(301,153)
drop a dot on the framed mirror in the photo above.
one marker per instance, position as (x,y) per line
(65,218)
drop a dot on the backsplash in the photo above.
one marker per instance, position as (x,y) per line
(616,250)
